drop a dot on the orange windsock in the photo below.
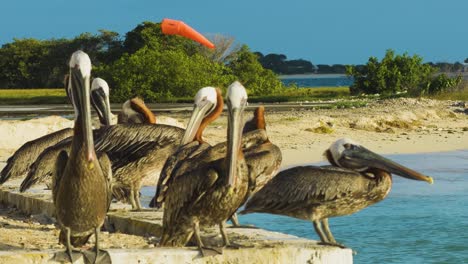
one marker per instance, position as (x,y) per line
(176,27)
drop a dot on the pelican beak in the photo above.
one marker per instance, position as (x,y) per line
(235,126)
(80,89)
(200,110)
(360,157)
(101,104)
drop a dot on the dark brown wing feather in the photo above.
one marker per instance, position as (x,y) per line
(60,165)
(18,164)
(300,187)
(43,167)
(107,172)
(118,138)
(165,179)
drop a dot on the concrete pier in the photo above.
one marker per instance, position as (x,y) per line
(256,245)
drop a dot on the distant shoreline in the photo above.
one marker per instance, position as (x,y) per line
(311,75)
(339,75)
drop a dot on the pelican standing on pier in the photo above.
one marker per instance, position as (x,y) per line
(81,191)
(210,190)
(263,157)
(358,179)
(208,106)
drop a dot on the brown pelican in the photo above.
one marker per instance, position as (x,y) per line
(210,186)
(40,168)
(134,111)
(358,179)
(82,182)
(19,164)
(207,108)
(263,158)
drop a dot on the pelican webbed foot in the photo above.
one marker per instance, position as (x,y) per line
(90,256)
(236,224)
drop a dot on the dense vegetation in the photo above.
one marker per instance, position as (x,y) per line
(158,67)
(145,63)
(396,74)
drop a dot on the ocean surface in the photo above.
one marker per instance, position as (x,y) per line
(416,223)
(317,80)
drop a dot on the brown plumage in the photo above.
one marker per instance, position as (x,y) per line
(316,193)
(137,153)
(134,150)
(18,164)
(209,187)
(198,145)
(81,187)
(263,158)
(25,160)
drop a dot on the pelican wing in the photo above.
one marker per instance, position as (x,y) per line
(118,138)
(185,191)
(127,143)
(263,162)
(168,173)
(300,187)
(44,166)
(60,165)
(18,164)
(107,172)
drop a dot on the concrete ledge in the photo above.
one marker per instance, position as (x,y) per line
(256,245)
(287,254)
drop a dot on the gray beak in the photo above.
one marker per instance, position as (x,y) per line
(198,113)
(235,125)
(100,102)
(80,90)
(358,157)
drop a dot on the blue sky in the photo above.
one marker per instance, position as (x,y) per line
(324,32)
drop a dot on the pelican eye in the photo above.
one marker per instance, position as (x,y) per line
(348,146)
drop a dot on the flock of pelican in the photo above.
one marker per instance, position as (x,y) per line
(198,184)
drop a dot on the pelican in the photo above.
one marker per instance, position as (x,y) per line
(358,179)
(210,186)
(208,107)
(134,111)
(263,157)
(81,191)
(18,165)
(137,153)
(40,166)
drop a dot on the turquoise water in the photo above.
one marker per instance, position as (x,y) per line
(319,80)
(416,223)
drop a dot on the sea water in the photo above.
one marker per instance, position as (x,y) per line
(416,223)
(317,80)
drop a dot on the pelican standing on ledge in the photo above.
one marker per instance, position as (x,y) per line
(210,190)
(81,192)
(263,157)
(359,179)
(208,106)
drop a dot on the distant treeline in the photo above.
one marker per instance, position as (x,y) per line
(279,64)
(143,63)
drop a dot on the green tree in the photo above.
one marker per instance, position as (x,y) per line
(20,62)
(258,80)
(156,75)
(393,74)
